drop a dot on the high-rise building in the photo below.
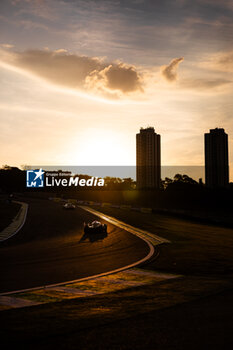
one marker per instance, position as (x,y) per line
(216,158)
(148,158)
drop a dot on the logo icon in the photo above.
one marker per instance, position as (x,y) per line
(35,178)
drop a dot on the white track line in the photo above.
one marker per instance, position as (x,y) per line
(15,226)
(136,231)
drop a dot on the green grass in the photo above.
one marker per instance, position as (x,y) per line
(195,249)
(130,313)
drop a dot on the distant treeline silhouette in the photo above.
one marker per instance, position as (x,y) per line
(14,179)
(181,192)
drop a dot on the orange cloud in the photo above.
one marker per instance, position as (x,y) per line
(116,77)
(169,72)
(78,72)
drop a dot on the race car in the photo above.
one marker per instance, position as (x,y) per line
(95,227)
(69,206)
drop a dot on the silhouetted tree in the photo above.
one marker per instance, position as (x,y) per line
(12,179)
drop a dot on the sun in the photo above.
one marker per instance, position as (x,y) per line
(98,147)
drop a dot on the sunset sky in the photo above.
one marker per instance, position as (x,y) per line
(79,79)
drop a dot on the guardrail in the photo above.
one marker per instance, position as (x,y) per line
(103,204)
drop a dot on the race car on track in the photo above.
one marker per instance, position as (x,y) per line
(69,206)
(95,227)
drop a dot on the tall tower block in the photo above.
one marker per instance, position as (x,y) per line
(148,158)
(216,158)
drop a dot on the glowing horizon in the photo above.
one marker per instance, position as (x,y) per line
(80,91)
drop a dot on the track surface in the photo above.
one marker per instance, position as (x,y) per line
(51,248)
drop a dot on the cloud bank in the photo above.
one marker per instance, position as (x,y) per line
(219,62)
(79,72)
(169,72)
(201,85)
(114,80)
(224,61)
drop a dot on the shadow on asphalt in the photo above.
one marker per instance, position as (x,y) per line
(93,237)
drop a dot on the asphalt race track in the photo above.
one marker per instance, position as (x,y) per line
(51,248)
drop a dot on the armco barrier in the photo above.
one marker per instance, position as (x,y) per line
(105,204)
(146,210)
(73,201)
(56,199)
(125,207)
(182,213)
